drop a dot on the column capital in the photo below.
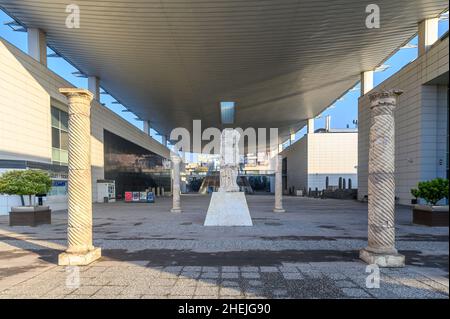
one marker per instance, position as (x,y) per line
(384,98)
(384,94)
(76,92)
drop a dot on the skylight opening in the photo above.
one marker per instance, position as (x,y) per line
(227,112)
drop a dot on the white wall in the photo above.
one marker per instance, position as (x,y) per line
(319,180)
(420,123)
(27,90)
(334,155)
(315,156)
(297,164)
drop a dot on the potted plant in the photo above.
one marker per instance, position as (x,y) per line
(27,183)
(432,192)
(415,194)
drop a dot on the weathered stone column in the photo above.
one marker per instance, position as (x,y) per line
(176,207)
(79,232)
(381,194)
(278,185)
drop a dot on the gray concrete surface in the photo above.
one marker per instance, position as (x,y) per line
(310,251)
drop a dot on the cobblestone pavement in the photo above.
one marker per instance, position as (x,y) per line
(311,251)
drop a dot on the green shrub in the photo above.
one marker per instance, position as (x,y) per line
(26,182)
(415,193)
(432,191)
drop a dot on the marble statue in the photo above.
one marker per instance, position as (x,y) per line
(228,206)
(229,161)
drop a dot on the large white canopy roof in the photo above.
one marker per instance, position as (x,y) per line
(172,61)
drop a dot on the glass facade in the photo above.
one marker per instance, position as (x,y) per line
(59,187)
(132,167)
(60,136)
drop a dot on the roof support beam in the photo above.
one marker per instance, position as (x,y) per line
(147,128)
(366,82)
(37,45)
(94,87)
(292,138)
(311,126)
(164,140)
(428,34)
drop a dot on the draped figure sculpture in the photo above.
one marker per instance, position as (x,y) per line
(229,160)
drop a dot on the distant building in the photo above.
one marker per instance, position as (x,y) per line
(34,135)
(321,155)
(421,123)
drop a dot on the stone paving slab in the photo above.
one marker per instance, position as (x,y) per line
(311,251)
(269,285)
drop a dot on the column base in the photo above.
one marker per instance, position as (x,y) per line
(388,260)
(175,210)
(83,259)
(279,210)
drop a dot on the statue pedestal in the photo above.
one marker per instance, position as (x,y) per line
(228,209)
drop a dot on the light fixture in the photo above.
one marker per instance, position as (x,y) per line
(382,68)
(409,46)
(79,74)
(15,26)
(444,16)
(53,55)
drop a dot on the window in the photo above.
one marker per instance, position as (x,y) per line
(60,136)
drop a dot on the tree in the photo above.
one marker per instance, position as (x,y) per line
(25,182)
(433,191)
(415,193)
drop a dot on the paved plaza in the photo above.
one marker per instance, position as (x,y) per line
(310,251)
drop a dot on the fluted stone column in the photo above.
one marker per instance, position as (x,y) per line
(278,185)
(381,194)
(176,207)
(79,232)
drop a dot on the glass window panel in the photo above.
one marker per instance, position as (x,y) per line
(64,140)
(55,138)
(55,117)
(52,191)
(55,154)
(64,117)
(64,156)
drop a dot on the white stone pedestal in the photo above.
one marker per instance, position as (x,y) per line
(79,259)
(382,259)
(228,209)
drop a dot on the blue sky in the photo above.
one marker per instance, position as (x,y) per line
(342,112)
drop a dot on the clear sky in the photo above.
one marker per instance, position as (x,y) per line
(342,112)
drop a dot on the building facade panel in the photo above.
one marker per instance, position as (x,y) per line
(317,156)
(296,161)
(28,90)
(421,122)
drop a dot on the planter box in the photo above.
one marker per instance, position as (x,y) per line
(30,216)
(430,215)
